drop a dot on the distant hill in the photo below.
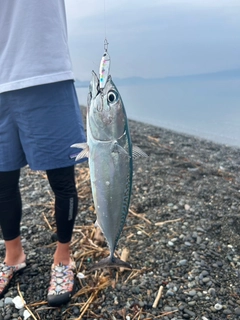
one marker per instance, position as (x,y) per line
(220,75)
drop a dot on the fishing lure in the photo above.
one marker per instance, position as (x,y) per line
(104,69)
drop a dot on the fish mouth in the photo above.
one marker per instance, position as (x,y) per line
(101,96)
(95,85)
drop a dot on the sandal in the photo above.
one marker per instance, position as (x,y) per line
(62,284)
(6,275)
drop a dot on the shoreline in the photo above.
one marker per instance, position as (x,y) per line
(205,136)
(208,137)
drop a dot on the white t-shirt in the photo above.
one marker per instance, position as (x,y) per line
(33,43)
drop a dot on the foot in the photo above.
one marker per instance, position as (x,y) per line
(12,260)
(62,254)
(6,274)
(62,284)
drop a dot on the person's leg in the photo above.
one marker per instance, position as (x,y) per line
(66,204)
(62,181)
(10,216)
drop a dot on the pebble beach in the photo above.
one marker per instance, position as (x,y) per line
(182,238)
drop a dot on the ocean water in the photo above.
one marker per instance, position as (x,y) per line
(207,109)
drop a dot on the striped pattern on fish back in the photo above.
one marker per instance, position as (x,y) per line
(125,206)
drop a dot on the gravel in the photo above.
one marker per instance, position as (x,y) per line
(183,234)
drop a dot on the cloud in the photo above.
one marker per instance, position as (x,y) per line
(156,37)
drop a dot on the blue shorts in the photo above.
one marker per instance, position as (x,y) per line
(38,125)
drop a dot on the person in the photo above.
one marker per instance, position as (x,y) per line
(39,120)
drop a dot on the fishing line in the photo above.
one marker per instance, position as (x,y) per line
(105,26)
(104,68)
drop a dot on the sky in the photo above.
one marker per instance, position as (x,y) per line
(154,38)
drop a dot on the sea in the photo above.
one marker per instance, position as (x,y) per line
(206,109)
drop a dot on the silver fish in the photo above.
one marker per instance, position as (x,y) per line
(110,152)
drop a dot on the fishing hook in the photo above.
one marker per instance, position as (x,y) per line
(106,45)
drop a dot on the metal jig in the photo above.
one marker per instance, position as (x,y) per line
(104,68)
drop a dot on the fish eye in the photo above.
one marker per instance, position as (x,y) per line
(112,96)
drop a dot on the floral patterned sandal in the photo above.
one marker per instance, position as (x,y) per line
(62,284)
(6,275)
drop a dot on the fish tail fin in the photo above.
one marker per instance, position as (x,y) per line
(111,262)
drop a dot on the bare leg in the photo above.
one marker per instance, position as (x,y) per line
(14,252)
(62,253)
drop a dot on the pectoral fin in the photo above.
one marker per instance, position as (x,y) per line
(83,154)
(138,153)
(116,148)
(83,145)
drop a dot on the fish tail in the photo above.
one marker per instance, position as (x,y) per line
(110,262)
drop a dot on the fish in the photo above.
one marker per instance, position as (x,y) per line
(110,156)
